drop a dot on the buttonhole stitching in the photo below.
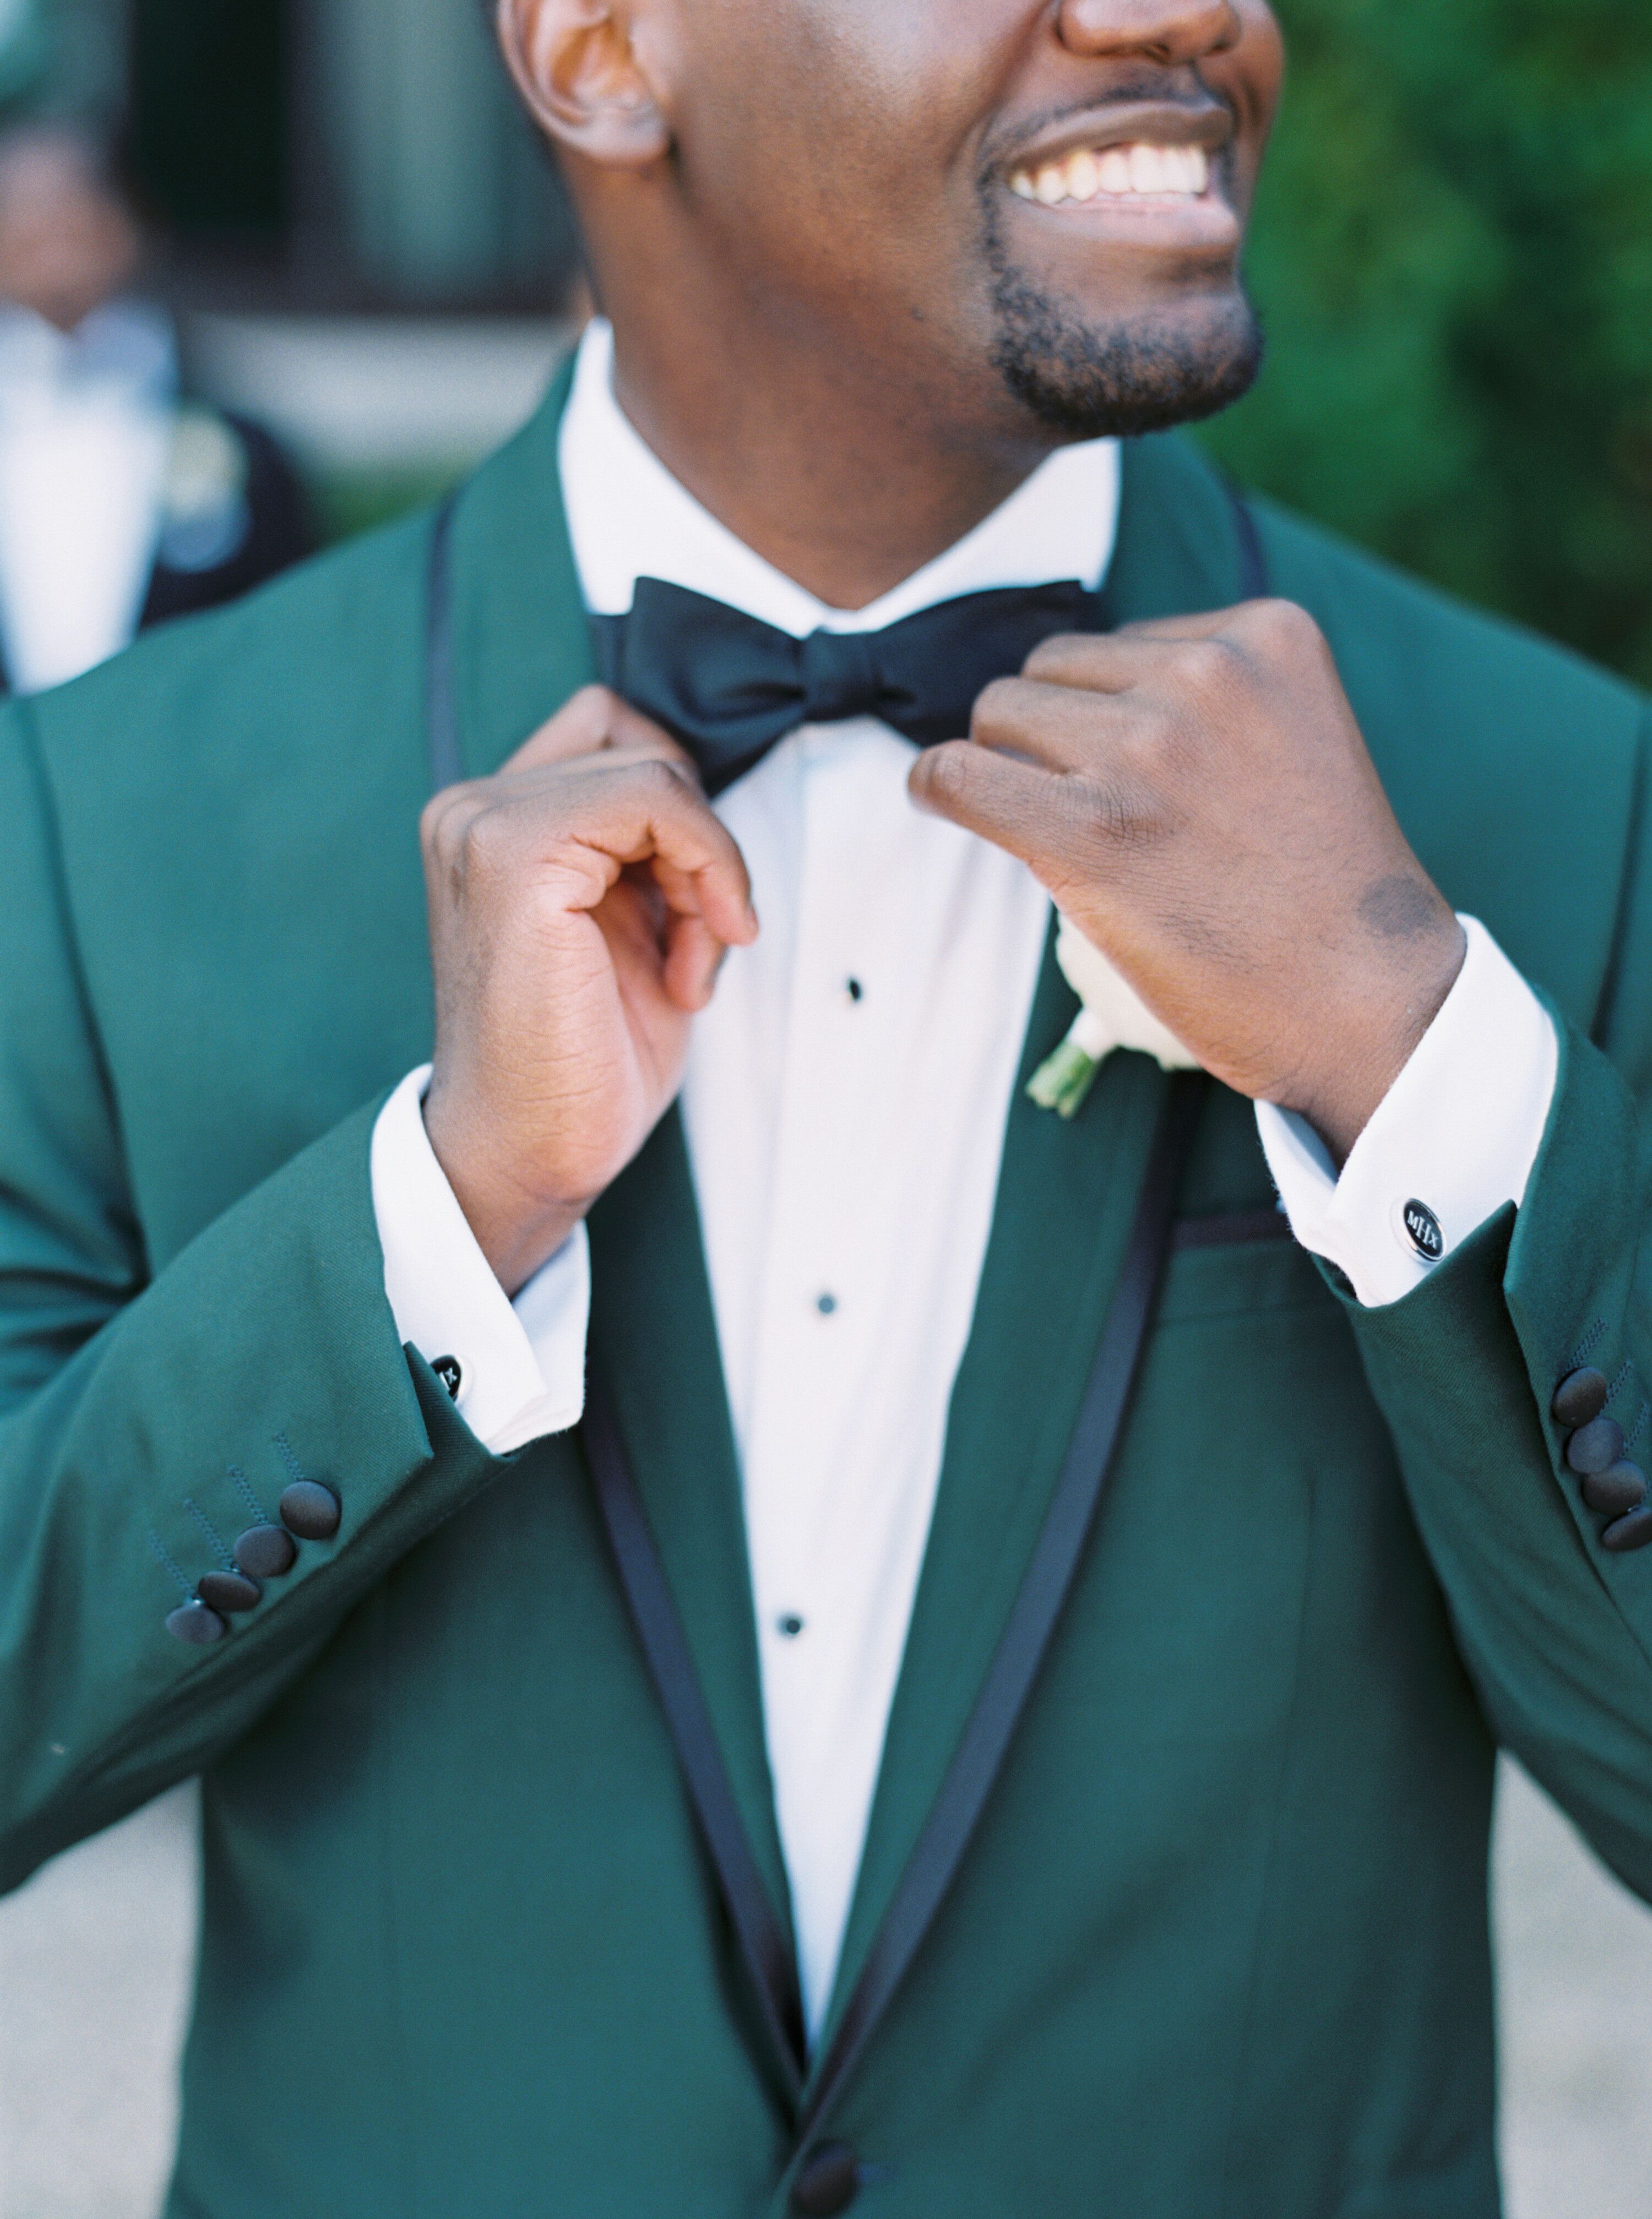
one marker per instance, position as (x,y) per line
(1587,1347)
(167,1559)
(239,1479)
(214,1539)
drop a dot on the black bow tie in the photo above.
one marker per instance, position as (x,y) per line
(728,686)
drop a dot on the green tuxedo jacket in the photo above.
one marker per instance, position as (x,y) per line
(1218,1949)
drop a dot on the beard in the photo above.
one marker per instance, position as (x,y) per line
(1116,381)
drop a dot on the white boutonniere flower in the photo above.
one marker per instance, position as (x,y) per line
(1113,1016)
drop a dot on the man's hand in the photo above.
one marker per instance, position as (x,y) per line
(580,905)
(1198,797)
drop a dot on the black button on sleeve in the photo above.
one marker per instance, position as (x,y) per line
(230,1591)
(312,1511)
(1595,1446)
(196,1625)
(264,1552)
(1620,1487)
(1626,1533)
(1581,1397)
(828,2182)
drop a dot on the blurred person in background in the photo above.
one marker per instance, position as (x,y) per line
(123,501)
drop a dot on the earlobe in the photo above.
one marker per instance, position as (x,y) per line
(580,65)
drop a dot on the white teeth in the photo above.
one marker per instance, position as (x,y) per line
(1084,177)
(1149,170)
(1118,172)
(1115,170)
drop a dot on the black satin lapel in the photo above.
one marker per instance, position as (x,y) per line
(654,1350)
(1067,1195)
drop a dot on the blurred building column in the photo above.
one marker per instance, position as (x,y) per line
(440,188)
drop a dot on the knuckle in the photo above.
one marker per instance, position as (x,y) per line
(946,771)
(660,779)
(1000,709)
(440,814)
(1286,629)
(1208,667)
(1063,650)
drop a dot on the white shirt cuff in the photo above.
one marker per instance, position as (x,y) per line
(1453,1140)
(521,1366)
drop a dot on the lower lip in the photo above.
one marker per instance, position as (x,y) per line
(1148,220)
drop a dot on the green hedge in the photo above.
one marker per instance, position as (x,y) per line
(1454,258)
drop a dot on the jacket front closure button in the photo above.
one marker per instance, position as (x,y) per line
(828,2182)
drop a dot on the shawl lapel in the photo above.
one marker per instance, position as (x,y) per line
(1067,1195)
(521,646)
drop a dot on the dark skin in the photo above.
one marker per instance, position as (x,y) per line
(809,223)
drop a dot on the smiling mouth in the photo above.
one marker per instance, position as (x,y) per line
(1120,175)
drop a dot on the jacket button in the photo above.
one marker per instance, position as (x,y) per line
(828,2182)
(229,1591)
(1581,1396)
(264,1552)
(196,1625)
(1620,1487)
(1626,1533)
(1595,1446)
(312,1511)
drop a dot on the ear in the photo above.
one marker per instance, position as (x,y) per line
(583,66)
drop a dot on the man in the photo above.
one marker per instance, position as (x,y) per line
(122,504)
(792,1780)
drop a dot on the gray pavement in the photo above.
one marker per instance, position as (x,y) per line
(94,1966)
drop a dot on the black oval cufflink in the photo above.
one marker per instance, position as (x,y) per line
(451,1372)
(1423,1230)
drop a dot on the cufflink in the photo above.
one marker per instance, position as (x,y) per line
(1420,1230)
(451,1372)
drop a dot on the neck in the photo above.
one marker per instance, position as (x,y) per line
(845,469)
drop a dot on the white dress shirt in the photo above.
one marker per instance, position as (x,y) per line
(86,429)
(844,1105)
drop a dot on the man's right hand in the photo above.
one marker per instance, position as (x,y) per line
(582,902)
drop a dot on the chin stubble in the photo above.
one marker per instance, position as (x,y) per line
(1092,380)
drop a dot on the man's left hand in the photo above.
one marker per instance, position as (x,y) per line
(1197,796)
